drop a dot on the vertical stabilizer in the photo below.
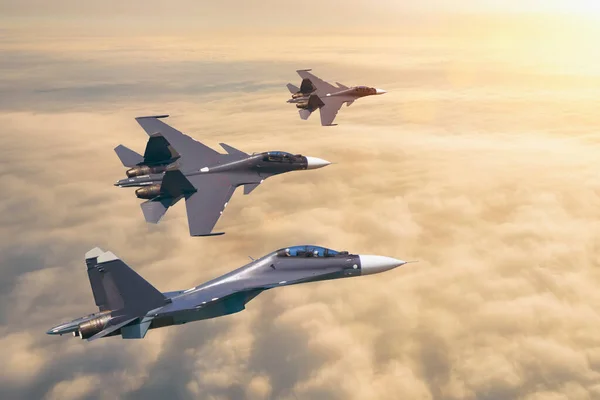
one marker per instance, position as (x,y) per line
(117,287)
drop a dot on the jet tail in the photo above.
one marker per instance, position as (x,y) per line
(174,187)
(305,114)
(128,157)
(111,328)
(159,151)
(117,287)
(314,102)
(175,184)
(155,209)
(292,88)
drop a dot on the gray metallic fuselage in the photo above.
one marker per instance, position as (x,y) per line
(248,281)
(346,95)
(224,295)
(254,164)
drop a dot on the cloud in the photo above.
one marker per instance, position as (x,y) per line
(492,187)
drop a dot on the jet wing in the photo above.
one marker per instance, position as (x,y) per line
(194,155)
(205,207)
(330,109)
(320,85)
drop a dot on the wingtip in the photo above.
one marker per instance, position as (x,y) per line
(153,116)
(207,234)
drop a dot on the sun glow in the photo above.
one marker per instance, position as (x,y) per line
(586,7)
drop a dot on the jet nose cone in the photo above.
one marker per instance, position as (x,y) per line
(375,264)
(54,331)
(380,91)
(314,163)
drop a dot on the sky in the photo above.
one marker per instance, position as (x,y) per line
(481,162)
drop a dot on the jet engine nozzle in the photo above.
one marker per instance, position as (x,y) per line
(89,328)
(145,170)
(148,192)
(375,264)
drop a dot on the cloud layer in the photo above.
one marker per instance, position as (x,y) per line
(484,171)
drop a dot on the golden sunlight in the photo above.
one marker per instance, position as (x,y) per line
(575,6)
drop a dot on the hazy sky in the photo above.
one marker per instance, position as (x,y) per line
(299,17)
(481,161)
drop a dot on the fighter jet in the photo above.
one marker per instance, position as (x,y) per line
(175,166)
(316,94)
(129,306)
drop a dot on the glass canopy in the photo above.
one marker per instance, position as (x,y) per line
(307,251)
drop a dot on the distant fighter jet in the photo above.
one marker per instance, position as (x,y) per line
(129,305)
(314,93)
(175,166)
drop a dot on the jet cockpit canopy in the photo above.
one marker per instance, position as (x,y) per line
(366,90)
(308,251)
(278,156)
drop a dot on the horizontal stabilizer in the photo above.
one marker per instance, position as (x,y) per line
(136,330)
(293,89)
(155,209)
(233,151)
(304,114)
(128,157)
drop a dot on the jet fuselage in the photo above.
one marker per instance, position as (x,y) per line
(265,164)
(229,293)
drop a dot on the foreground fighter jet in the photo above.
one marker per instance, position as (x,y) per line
(129,305)
(175,166)
(316,94)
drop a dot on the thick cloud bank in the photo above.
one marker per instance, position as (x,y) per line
(485,173)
